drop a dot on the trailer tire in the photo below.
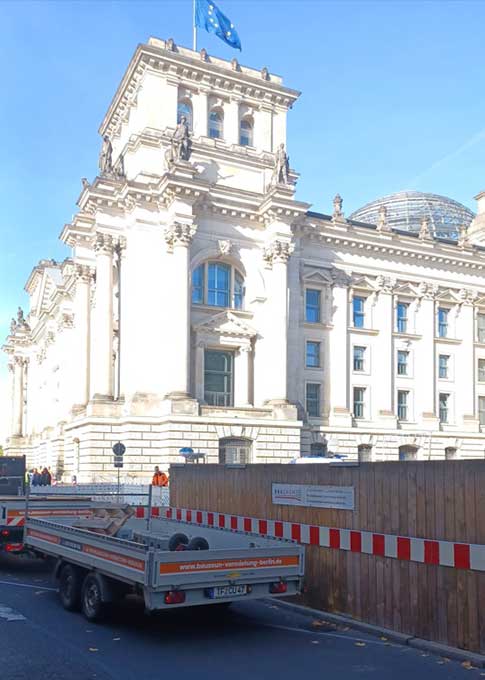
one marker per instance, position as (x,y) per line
(70,586)
(198,543)
(176,540)
(92,604)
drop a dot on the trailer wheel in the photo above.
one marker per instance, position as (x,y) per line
(198,543)
(70,583)
(176,540)
(93,607)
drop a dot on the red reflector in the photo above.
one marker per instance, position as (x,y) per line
(14,547)
(174,597)
(280,587)
(181,546)
(5,532)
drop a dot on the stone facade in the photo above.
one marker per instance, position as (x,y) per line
(186,313)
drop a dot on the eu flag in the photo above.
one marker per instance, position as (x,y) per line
(210,17)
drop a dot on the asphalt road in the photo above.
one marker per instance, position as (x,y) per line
(256,641)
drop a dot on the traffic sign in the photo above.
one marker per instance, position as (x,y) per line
(119,449)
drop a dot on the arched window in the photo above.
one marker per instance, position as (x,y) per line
(216,124)
(246,132)
(365,453)
(234,451)
(408,452)
(318,450)
(219,285)
(184,108)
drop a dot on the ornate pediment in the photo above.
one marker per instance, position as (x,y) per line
(317,276)
(226,324)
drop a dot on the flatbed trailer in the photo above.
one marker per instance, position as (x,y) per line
(215,566)
(13,510)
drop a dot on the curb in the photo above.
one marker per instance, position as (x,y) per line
(436,648)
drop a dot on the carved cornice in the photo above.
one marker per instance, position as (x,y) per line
(179,234)
(103,243)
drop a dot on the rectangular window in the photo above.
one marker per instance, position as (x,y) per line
(443,366)
(481,410)
(218,378)
(481,327)
(444,408)
(402,404)
(219,285)
(402,317)
(443,322)
(359,357)
(312,305)
(313,399)
(358,311)
(481,370)
(402,362)
(359,395)
(313,354)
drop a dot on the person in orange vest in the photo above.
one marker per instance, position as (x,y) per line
(159,478)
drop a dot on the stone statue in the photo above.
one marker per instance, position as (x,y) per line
(106,156)
(282,166)
(13,326)
(85,183)
(120,167)
(20,317)
(337,206)
(180,145)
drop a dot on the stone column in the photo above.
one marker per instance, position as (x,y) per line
(241,376)
(82,308)
(10,395)
(276,255)
(465,368)
(178,237)
(384,346)
(231,123)
(102,347)
(200,114)
(425,360)
(199,371)
(338,360)
(18,397)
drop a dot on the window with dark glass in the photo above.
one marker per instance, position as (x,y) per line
(312,305)
(184,108)
(443,322)
(359,358)
(312,354)
(481,370)
(216,125)
(313,399)
(443,405)
(218,284)
(246,132)
(402,362)
(481,327)
(359,405)
(218,378)
(481,410)
(402,317)
(402,404)
(358,311)
(443,366)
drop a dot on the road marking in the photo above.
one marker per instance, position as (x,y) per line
(293,629)
(9,614)
(27,585)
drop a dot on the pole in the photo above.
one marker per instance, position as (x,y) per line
(118,377)
(194,27)
(118,485)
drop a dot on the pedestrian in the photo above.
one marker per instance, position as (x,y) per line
(159,478)
(45,478)
(36,477)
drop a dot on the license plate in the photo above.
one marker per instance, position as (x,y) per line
(227,591)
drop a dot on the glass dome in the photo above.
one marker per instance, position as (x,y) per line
(405,211)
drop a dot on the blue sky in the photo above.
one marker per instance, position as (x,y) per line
(393,98)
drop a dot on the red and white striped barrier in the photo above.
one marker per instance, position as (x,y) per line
(426,551)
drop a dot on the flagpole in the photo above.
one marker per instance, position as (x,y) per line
(194,27)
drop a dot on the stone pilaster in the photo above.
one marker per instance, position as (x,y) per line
(338,361)
(241,376)
(82,320)
(102,348)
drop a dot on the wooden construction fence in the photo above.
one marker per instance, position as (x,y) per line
(373,570)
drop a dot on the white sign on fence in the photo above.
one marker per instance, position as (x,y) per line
(305,495)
